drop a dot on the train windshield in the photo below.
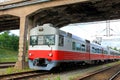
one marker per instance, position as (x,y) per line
(49,39)
(42,40)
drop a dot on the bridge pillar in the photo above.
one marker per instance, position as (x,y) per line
(21,63)
(30,26)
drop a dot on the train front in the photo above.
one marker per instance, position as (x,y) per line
(42,47)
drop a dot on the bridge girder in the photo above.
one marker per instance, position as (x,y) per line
(79,13)
(87,11)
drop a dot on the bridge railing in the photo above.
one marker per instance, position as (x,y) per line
(6,2)
(19,3)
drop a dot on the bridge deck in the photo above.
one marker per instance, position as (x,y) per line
(79,11)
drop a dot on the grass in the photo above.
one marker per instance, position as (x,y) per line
(8,55)
(11,70)
(57,78)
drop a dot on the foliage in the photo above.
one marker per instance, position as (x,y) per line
(11,70)
(9,41)
(57,78)
(115,48)
(8,55)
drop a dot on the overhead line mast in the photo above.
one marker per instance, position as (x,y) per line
(108,28)
(108,35)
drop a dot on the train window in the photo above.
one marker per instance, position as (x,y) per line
(100,51)
(97,50)
(110,52)
(83,47)
(33,40)
(61,40)
(43,40)
(93,49)
(49,39)
(78,47)
(105,52)
(73,45)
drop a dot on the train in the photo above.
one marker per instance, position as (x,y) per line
(50,47)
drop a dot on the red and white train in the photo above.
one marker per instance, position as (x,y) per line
(50,47)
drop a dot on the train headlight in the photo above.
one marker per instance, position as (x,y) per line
(30,54)
(50,54)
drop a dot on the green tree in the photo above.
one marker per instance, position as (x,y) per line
(9,41)
(14,41)
(115,48)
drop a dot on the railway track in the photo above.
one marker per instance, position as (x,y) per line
(110,73)
(33,74)
(23,75)
(116,76)
(7,64)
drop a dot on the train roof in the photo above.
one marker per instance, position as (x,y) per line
(96,45)
(78,38)
(67,34)
(43,30)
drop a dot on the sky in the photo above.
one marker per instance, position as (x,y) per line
(16,32)
(91,29)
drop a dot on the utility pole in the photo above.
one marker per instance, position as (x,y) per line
(108,29)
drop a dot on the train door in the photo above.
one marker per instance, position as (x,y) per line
(88,49)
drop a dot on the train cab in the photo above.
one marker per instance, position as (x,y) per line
(43,46)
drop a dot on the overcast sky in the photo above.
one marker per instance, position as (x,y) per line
(89,30)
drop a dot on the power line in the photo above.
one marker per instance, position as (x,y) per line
(108,30)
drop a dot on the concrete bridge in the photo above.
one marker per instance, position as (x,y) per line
(25,14)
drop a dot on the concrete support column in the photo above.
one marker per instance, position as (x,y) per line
(30,25)
(21,63)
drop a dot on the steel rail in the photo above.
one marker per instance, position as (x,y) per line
(7,64)
(22,75)
(93,73)
(114,76)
